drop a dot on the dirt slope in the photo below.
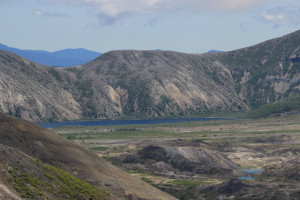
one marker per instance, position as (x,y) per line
(86,165)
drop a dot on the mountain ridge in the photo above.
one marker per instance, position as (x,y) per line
(30,91)
(61,58)
(268,71)
(160,84)
(153,83)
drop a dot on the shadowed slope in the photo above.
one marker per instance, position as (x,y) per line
(86,165)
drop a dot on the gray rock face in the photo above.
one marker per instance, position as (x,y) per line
(192,159)
(27,90)
(157,84)
(201,156)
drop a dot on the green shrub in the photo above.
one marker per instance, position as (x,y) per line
(53,181)
(288,105)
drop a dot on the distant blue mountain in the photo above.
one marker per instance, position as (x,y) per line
(62,58)
(214,51)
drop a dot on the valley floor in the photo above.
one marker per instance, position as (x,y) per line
(174,157)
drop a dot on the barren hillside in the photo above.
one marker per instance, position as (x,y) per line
(26,147)
(152,84)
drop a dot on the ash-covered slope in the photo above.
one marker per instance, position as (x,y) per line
(29,90)
(190,159)
(266,72)
(39,143)
(153,84)
(149,84)
(165,83)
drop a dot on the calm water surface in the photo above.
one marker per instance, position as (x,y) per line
(246,178)
(250,171)
(126,122)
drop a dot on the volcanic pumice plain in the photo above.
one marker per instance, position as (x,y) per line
(201,160)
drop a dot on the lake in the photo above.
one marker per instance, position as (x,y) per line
(126,122)
(246,178)
(250,171)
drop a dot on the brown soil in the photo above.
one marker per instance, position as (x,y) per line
(50,148)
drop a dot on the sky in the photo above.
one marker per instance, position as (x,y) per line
(190,26)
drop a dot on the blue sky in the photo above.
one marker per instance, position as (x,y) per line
(191,26)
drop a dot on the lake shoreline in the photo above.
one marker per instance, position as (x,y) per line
(49,125)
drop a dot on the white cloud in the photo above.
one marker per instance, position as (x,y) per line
(279,16)
(226,5)
(38,12)
(115,11)
(48,14)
